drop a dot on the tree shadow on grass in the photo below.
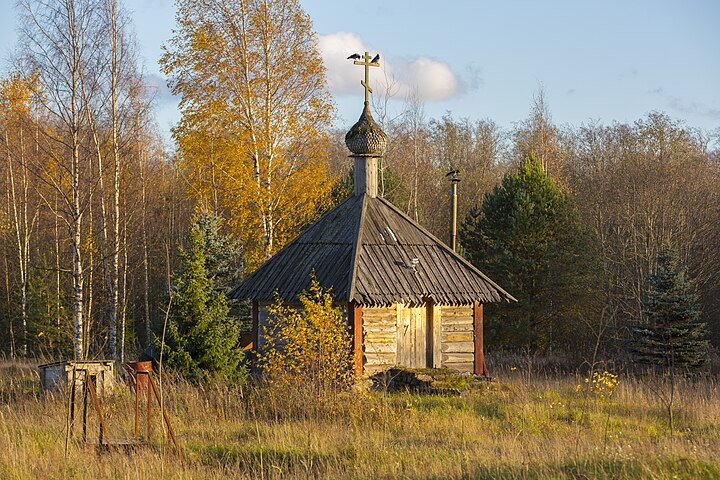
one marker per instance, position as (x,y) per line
(594,468)
(269,460)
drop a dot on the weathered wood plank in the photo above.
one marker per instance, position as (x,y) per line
(457,311)
(379,312)
(379,365)
(391,329)
(457,358)
(420,340)
(380,348)
(380,338)
(379,321)
(464,327)
(458,337)
(380,358)
(462,347)
(402,333)
(458,321)
(460,367)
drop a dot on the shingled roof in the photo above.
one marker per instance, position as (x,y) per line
(364,249)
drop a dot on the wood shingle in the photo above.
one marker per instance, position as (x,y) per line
(370,253)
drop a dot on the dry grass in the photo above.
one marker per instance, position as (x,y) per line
(516,427)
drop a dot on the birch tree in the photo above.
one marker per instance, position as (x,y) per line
(255,101)
(59,43)
(15,104)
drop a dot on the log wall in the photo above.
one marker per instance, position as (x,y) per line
(456,338)
(449,336)
(379,338)
(262,322)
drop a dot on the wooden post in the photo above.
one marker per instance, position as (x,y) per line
(429,333)
(71,413)
(165,417)
(149,405)
(437,336)
(355,321)
(137,405)
(255,332)
(479,356)
(72,403)
(85,403)
(103,436)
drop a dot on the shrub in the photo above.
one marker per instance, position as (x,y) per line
(306,351)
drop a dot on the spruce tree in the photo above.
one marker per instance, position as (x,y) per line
(202,338)
(529,237)
(673,336)
(220,250)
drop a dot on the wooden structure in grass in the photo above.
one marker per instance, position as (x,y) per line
(410,299)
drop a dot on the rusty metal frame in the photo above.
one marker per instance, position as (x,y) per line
(104,439)
(165,416)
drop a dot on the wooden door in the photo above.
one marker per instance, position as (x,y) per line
(412,335)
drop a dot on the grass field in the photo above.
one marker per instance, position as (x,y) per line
(518,426)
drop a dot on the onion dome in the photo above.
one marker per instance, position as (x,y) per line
(366,138)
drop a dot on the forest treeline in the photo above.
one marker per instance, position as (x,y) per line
(94,207)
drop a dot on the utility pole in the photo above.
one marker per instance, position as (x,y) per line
(454,180)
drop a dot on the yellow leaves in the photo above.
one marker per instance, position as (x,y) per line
(602,385)
(16,94)
(253,136)
(307,346)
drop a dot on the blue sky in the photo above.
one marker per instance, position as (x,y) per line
(606,61)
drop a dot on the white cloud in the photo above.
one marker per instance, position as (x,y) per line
(430,78)
(157,84)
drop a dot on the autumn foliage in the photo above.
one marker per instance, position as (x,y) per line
(307,348)
(256,113)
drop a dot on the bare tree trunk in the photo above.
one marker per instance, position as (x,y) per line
(114,270)
(123,303)
(9,303)
(106,252)
(89,320)
(24,245)
(20,231)
(78,276)
(58,291)
(74,61)
(671,398)
(146,263)
(213,180)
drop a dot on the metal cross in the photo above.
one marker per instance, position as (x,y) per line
(367,63)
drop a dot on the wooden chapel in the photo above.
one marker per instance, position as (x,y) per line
(411,301)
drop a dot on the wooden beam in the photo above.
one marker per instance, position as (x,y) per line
(430,333)
(479,355)
(355,321)
(437,336)
(254,333)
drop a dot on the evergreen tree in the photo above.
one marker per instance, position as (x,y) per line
(202,337)
(673,336)
(529,237)
(221,251)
